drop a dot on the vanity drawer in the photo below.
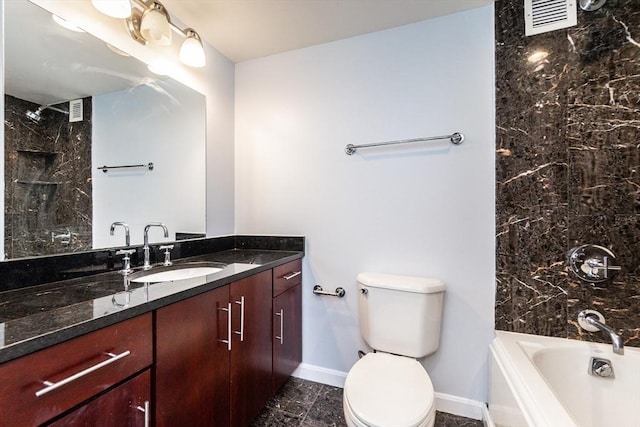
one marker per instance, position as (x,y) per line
(39,386)
(286,277)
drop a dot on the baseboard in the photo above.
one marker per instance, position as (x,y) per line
(320,375)
(486,417)
(460,406)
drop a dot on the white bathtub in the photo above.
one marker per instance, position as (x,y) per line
(540,381)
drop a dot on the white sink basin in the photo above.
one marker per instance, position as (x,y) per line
(176,274)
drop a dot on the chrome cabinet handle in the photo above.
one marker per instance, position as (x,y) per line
(241,332)
(281,337)
(292,275)
(228,340)
(52,386)
(145,410)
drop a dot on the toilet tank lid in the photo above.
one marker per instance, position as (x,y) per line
(422,285)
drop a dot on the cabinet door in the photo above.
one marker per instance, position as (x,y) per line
(287,335)
(251,356)
(192,362)
(125,405)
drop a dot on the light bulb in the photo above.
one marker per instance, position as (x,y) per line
(113,8)
(154,25)
(192,51)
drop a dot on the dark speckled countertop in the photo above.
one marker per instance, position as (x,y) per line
(39,316)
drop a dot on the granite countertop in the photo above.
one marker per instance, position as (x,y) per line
(39,316)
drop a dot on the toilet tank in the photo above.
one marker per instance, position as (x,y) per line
(400,314)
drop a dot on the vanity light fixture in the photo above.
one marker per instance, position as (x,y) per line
(113,8)
(149,22)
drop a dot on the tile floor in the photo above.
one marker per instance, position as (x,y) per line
(308,404)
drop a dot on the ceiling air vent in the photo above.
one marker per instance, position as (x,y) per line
(541,16)
(75,110)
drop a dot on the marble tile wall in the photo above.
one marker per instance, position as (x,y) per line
(567,168)
(47,181)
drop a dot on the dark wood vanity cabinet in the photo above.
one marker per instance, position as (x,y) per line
(201,378)
(287,321)
(214,359)
(36,388)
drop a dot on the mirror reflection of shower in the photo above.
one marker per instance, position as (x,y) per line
(36,116)
(591,5)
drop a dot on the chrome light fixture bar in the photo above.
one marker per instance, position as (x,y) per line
(113,8)
(151,24)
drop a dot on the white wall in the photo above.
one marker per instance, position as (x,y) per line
(169,132)
(424,209)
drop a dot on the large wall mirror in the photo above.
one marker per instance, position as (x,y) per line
(74,104)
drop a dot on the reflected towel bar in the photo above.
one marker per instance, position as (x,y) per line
(317,289)
(106,168)
(455,138)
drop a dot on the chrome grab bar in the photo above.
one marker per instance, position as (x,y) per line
(456,139)
(228,340)
(340,292)
(292,275)
(52,386)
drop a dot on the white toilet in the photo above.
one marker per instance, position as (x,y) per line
(400,319)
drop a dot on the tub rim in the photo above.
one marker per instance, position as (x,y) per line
(539,404)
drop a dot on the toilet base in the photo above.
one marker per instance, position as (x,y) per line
(353,421)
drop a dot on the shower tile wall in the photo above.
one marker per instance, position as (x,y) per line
(47,181)
(567,168)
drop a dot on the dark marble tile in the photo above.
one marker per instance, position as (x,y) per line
(567,168)
(531,305)
(326,409)
(275,418)
(296,397)
(530,272)
(448,420)
(604,181)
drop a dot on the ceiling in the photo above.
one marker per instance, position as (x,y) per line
(246,29)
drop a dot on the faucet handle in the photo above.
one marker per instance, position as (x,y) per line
(126,261)
(592,263)
(167,254)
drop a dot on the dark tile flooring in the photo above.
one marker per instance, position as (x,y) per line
(308,404)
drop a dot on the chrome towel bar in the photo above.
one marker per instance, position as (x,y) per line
(106,168)
(317,289)
(455,138)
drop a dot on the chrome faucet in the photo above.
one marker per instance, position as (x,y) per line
(127,236)
(147,264)
(593,320)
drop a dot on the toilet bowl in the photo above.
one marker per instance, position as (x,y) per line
(400,318)
(384,390)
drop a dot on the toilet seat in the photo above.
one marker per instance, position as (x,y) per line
(384,390)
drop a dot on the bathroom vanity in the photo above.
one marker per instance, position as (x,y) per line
(200,351)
